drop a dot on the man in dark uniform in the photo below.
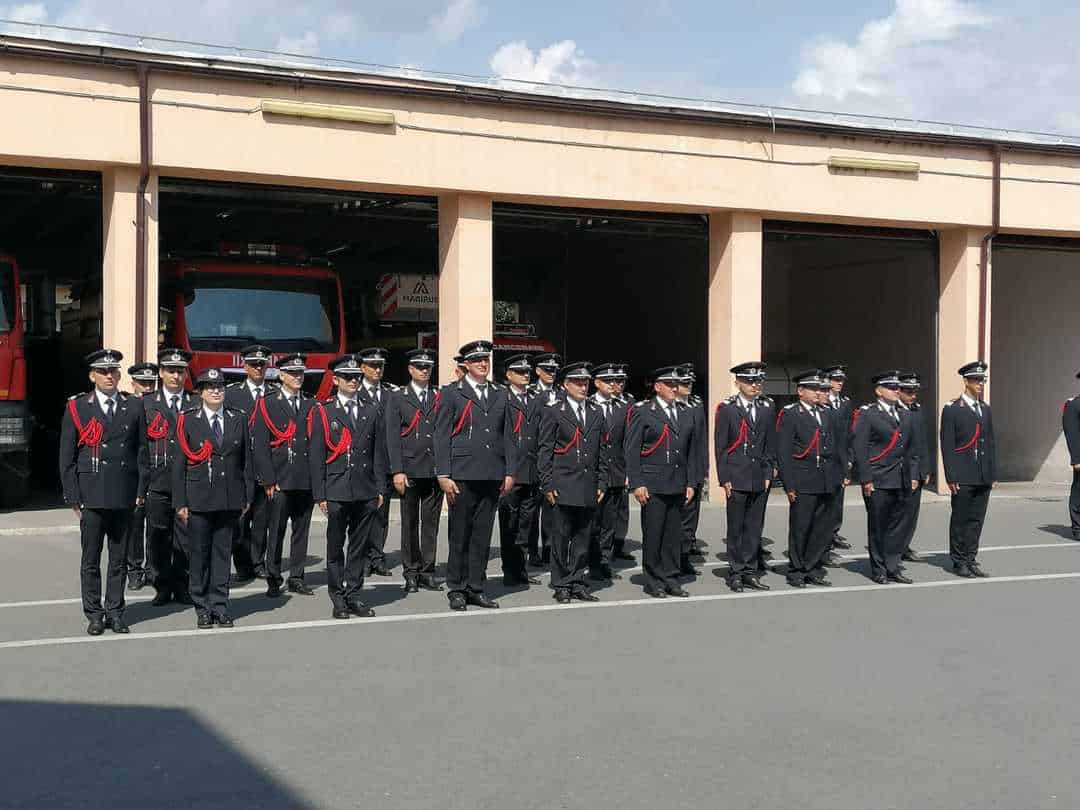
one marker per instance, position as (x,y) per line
(695,408)
(475,459)
(377,392)
(922,465)
(543,392)
(212,486)
(805,448)
(410,444)
(143,381)
(168,546)
(517,511)
(1070,425)
(841,407)
(249,543)
(283,472)
(101,437)
(662,462)
(969,452)
(887,469)
(348,481)
(572,466)
(622,509)
(744,439)
(613,410)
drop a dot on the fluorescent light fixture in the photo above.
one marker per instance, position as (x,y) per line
(331,112)
(875,165)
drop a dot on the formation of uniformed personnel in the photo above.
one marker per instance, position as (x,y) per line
(922,466)
(100,441)
(606,521)
(662,463)
(168,546)
(377,392)
(475,459)
(518,509)
(572,466)
(348,481)
(143,381)
(886,467)
(249,542)
(695,407)
(805,450)
(744,444)
(212,486)
(410,441)
(544,391)
(969,453)
(1070,425)
(841,408)
(282,470)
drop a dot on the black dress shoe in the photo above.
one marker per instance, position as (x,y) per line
(901,579)
(976,569)
(479,600)
(427,582)
(840,542)
(161,598)
(961,570)
(600,574)
(96,626)
(298,586)
(273,589)
(535,561)
(655,592)
(260,573)
(137,581)
(340,612)
(675,591)
(457,601)
(118,625)
(562,596)
(183,598)
(821,582)
(223,620)
(242,577)
(911,555)
(358,608)
(879,579)
(380,570)
(624,555)
(755,584)
(412,585)
(585,596)
(831,561)
(532,581)
(736,585)
(203,620)
(689,570)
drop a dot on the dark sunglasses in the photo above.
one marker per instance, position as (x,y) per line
(890,386)
(255,363)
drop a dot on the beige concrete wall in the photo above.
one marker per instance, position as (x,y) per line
(465,276)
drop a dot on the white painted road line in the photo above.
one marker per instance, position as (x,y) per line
(381,582)
(494,614)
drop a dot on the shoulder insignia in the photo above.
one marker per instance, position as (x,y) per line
(866,407)
(789,406)
(192,409)
(234,411)
(767,400)
(74,396)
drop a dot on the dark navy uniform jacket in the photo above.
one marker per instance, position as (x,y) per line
(99,463)
(695,406)
(843,427)
(571,460)
(614,438)
(745,449)
(967,444)
(348,459)
(473,443)
(160,447)
(410,432)
(526,425)
(208,477)
(884,455)
(660,455)
(805,451)
(921,463)
(238,395)
(280,437)
(1070,424)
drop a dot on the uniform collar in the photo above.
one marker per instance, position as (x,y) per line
(970,402)
(209,414)
(345,401)
(253,388)
(103,399)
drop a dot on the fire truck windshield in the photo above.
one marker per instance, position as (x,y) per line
(7,297)
(288,313)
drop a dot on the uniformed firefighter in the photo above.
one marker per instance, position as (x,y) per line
(969,453)
(100,441)
(1070,426)
(622,511)
(662,463)
(887,469)
(606,519)
(143,381)
(695,407)
(805,447)
(518,509)
(348,460)
(475,459)
(922,467)
(544,391)
(378,392)
(841,408)
(212,487)
(572,466)
(250,540)
(282,470)
(168,546)
(410,443)
(744,443)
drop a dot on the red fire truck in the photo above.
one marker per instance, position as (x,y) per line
(14,413)
(253,293)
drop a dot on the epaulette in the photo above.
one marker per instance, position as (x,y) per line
(192,409)
(867,406)
(790,405)
(391,386)
(731,400)
(123,394)
(695,400)
(236,384)
(553,404)
(76,396)
(768,400)
(234,411)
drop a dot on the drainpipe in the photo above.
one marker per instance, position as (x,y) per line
(987,250)
(140,214)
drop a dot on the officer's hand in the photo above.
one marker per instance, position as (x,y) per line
(551,497)
(792,495)
(1076,466)
(867,490)
(954,488)
(847,481)
(642,495)
(450,489)
(78,511)
(401,480)
(379,502)
(183,513)
(270,490)
(768,484)
(139,502)
(926,480)
(600,496)
(323,507)
(508,484)
(689,494)
(914,485)
(728,488)
(244,511)
(626,483)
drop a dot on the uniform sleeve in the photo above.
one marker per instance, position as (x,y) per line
(1070,424)
(635,429)
(510,449)
(702,437)
(769,453)
(381,464)
(720,432)
(948,442)
(263,461)
(443,425)
(860,442)
(392,429)
(142,454)
(317,454)
(69,460)
(545,450)
(785,445)
(179,478)
(695,468)
(991,444)
(603,462)
(249,466)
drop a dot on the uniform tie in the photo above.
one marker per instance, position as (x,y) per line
(352,412)
(109,409)
(175,404)
(482,390)
(579,409)
(978,409)
(753,414)
(295,403)
(258,392)
(423,396)
(216,427)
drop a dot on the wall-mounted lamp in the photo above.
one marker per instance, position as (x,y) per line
(331,112)
(874,165)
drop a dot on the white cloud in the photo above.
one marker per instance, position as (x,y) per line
(307,45)
(25,12)
(453,21)
(558,63)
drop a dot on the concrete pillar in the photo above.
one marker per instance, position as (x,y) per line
(466,296)
(735,313)
(958,317)
(119,199)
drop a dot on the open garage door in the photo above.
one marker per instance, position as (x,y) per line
(603,285)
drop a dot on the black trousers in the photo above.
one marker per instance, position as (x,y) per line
(349,525)
(472,517)
(571,529)
(540,533)
(691,516)
(662,539)
(912,505)
(1074,505)
(97,528)
(836,511)
(421,508)
(289,506)
(745,520)
(169,546)
(605,522)
(966,522)
(211,535)
(376,550)
(517,515)
(885,513)
(136,542)
(622,521)
(250,537)
(810,535)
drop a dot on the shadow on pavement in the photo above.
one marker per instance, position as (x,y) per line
(1058,529)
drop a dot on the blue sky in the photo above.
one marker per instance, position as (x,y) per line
(990,62)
